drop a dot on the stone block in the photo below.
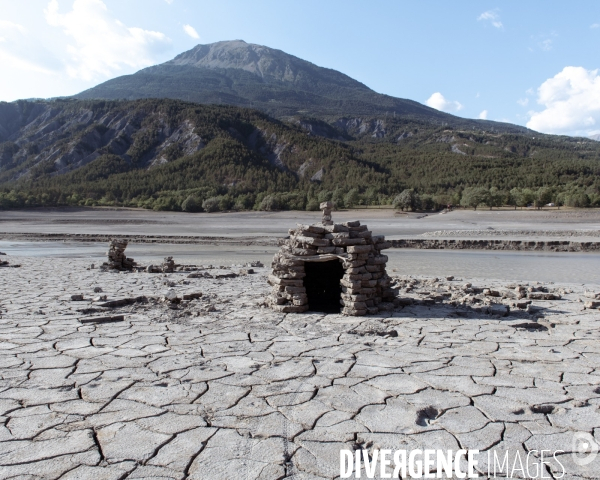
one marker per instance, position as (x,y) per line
(295,289)
(378,260)
(344,242)
(331,236)
(273,280)
(311,228)
(304,252)
(355,298)
(359,248)
(317,242)
(323,250)
(335,228)
(290,308)
(354,263)
(350,284)
(374,268)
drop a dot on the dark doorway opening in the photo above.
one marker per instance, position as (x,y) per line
(322,283)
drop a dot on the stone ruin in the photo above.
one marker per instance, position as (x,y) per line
(331,267)
(116,256)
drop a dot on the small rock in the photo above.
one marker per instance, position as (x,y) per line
(97,289)
(77,298)
(449,278)
(171,296)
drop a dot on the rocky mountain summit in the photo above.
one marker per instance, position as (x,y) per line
(280,84)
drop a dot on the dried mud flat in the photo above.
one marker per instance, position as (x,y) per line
(219,387)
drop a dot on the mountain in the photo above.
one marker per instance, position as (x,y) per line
(172,155)
(282,85)
(595,137)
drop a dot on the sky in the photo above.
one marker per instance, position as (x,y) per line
(530,63)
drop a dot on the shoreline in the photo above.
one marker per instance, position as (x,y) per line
(414,243)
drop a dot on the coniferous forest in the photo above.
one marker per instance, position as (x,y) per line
(173,155)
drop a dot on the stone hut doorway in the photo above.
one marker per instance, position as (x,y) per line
(323,287)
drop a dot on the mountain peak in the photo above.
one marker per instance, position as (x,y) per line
(267,63)
(244,74)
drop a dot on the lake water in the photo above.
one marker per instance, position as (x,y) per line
(581,268)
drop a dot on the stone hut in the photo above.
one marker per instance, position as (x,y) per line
(331,267)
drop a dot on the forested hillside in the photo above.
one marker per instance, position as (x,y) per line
(173,155)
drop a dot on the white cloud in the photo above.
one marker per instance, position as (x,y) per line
(492,17)
(595,25)
(169,1)
(523,102)
(6,25)
(546,45)
(101,43)
(483,115)
(19,51)
(438,102)
(572,102)
(191,31)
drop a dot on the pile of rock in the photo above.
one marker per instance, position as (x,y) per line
(168,265)
(116,256)
(365,284)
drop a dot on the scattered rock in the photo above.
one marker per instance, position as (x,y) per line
(543,296)
(122,302)
(107,319)
(77,297)
(192,296)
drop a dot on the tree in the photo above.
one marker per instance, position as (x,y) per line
(351,198)
(427,202)
(211,204)
(516,198)
(269,203)
(338,198)
(191,204)
(528,196)
(543,197)
(474,196)
(407,199)
(495,198)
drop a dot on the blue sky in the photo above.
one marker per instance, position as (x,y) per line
(530,63)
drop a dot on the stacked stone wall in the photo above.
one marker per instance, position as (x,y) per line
(365,284)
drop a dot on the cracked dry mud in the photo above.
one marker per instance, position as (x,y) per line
(243,392)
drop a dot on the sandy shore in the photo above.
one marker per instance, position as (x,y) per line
(220,387)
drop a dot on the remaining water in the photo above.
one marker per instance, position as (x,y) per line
(582,268)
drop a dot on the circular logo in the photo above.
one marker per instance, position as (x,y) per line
(585,448)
